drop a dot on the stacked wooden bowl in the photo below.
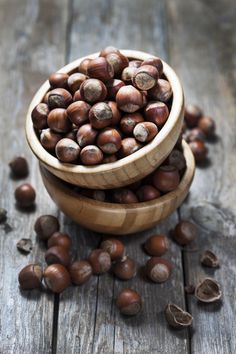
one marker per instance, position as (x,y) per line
(109,217)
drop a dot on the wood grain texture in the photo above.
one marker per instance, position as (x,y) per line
(30,42)
(207,70)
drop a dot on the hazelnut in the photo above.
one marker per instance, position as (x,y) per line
(59,98)
(113,87)
(77,96)
(3,215)
(86,135)
(207,126)
(19,167)
(107,50)
(116,115)
(185,232)
(45,226)
(100,261)
(109,140)
(155,61)
(125,268)
(135,63)
(49,139)
(99,195)
(80,272)
(199,150)
(157,245)
(30,277)
(78,112)
(129,99)
(91,155)
(176,159)
(58,80)
(194,134)
(71,135)
(75,80)
(59,239)
(127,74)
(192,115)
(166,178)
(124,196)
(67,150)
(147,192)
(114,247)
(129,146)
(161,92)
(129,121)
(99,68)
(58,120)
(129,302)
(100,115)
(156,112)
(145,77)
(93,90)
(83,66)
(109,158)
(25,195)
(117,61)
(56,278)
(145,132)
(58,255)
(39,116)
(158,269)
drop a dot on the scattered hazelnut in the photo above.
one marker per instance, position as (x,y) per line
(100,261)
(59,98)
(166,178)
(194,134)
(80,272)
(100,115)
(145,77)
(109,140)
(58,80)
(19,167)
(78,112)
(147,192)
(86,135)
(56,278)
(199,150)
(49,139)
(129,146)
(207,126)
(129,302)
(158,269)
(185,232)
(176,317)
(124,196)
(30,277)
(39,116)
(156,112)
(58,121)
(192,115)
(59,239)
(45,226)
(75,80)
(125,268)
(58,255)
(145,131)
(91,155)
(67,150)
(99,68)
(25,195)
(129,121)
(93,90)
(157,245)
(129,99)
(114,247)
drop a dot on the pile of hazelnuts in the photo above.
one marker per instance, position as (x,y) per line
(106,110)
(62,269)
(197,129)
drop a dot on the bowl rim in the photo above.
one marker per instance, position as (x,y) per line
(49,160)
(185,182)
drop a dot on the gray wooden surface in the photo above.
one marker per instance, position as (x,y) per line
(198,39)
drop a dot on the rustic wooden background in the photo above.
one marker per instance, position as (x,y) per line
(198,38)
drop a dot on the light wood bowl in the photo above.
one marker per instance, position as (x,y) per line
(124,171)
(118,219)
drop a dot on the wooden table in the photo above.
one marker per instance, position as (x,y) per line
(198,39)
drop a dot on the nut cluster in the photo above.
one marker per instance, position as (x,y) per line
(107,110)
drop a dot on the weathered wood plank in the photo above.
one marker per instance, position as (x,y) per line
(205,61)
(88,313)
(32,44)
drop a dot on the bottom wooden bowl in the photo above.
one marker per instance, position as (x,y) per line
(118,219)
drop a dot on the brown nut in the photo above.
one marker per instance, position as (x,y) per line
(129,302)
(58,255)
(49,139)
(114,247)
(124,196)
(30,277)
(158,269)
(80,272)
(58,80)
(194,134)
(208,290)
(161,92)
(59,98)
(86,135)
(192,115)
(125,268)
(77,96)
(75,80)
(207,126)
(147,192)
(129,121)
(58,121)
(117,61)
(83,66)
(19,167)
(71,135)
(177,317)
(113,87)
(78,112)
(185,232)
(25,195)
(157,245)
(93,90)
(67,150)
(209,259)
(145,131)
(127,74)
(91,155)
(99,68)
(199,150)
(45,226)
(100,115)
(116,115)
(156,112)
(145,77)
(100,261)
(109,140)
(39,116)
(109,159)
(56,278)
(166,178)
(60,239)
(135,63)
(107,50)
(176,159)
(129,99)
(154,61)
(129,146)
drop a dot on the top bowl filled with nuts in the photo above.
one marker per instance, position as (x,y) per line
(106,120)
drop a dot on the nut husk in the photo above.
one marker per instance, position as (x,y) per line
(209,259)
(177,317)
(24,245)
(208,290)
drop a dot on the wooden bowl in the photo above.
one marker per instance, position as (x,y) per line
(117,219)
(124,171)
